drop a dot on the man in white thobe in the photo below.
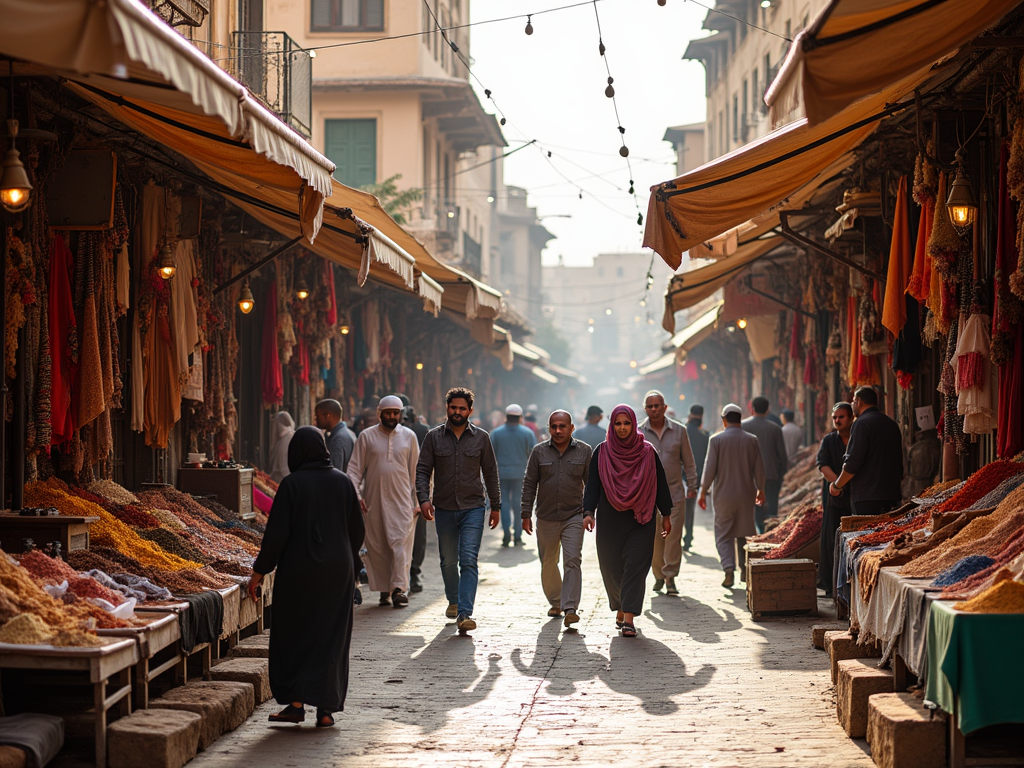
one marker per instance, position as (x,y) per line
(383,468)
(734,472)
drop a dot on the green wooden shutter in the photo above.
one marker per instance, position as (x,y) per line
(352,146)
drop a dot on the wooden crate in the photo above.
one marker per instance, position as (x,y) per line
(781,586)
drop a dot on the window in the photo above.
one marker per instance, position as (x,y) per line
(347,15)
(352,146)
(619,271)
(735,117)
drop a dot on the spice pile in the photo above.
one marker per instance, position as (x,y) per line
(981,483)
(805,532)
(780,532)
(964,568)
(1004,597)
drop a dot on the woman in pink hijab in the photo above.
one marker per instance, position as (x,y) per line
(625,483)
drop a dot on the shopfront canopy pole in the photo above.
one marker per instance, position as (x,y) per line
(18,429)
(3,382)
(807,243)
(253,267)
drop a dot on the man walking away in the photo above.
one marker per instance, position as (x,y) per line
(383,470)
(419,542)
(340,440)
(873,465)
(512,443)
(455,454)
(830,464)
(773,455)
(672,443)
(699,445)
(555,477)
(592,433)
(734,473)
(792,435)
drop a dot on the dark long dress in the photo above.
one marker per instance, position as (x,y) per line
(624,547)
(312,538)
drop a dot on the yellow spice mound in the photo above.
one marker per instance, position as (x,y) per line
(26,629)
(1004,597)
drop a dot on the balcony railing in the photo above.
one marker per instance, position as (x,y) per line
(278,72)
(181,13)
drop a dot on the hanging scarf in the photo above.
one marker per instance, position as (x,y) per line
(627,469)
(894,307)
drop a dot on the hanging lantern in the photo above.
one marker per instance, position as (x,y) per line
(960,203)
(15,188)
(301,290)
(343,324)
(245,300)
(165,266)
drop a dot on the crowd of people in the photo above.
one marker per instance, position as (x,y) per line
(635,483)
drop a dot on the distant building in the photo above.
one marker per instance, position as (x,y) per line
(688,142)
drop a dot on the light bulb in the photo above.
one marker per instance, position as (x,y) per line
(742,322)
(15,188)
(344,330)
(419,366)
(301,291)
(608,311)
(632,363)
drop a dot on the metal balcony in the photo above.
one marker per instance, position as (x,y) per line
(278,72)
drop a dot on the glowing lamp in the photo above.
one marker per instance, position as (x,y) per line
(742,322)
(301,291)
(960,203)
(165,266)
(245,300)
(15,188)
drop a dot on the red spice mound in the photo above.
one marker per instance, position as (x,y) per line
(46,569)
(981,483)
(86,586)
(909,523)
(806,531)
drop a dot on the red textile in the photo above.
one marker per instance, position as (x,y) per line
(1010,416)
(628,471)
(796,346)
(921,278)
(63,342)
(271,378)
(303,352)
(332,298)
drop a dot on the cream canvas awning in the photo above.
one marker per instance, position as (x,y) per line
(751,180)
(858,47)
(684,341)
(129,62)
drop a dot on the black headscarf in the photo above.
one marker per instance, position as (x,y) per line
(308,450)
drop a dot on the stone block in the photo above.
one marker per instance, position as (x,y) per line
(223,706)
(902,733)
(858,680)
(843,645)
(257,646)
(256,672)
(818,632)
(156,738)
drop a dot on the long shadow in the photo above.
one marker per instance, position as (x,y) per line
(445,677)
(689,616)
(640,667)
(692,558)
(509,557)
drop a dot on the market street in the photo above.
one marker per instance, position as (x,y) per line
(701,685)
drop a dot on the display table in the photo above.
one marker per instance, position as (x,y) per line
(101,664)
(181,670)
(72,532)
(160,632)
(975,671)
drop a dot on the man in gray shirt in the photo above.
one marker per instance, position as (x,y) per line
(555,476)
(773,454)
(592,433)
(340,440)
(670,440)
(455,454)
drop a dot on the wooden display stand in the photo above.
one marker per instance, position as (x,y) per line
(161,631)
(781,586)
(102,665)
(232,487)
(71,532)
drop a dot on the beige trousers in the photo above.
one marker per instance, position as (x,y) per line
(668,551)
(561,589)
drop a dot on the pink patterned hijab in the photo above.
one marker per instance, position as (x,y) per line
(627,469)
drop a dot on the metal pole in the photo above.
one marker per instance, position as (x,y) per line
(253,267)
(18,429)
(3,382)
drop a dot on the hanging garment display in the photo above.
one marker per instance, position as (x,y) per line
(271,381)
(63,342)
(973,376)
(184,312)
(894,308)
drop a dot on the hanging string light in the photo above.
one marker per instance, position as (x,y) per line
(529,25)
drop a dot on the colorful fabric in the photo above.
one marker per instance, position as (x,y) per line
(894,307)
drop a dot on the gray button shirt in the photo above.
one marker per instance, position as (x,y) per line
(772,445)
(456,464)
(676,456)
(556,480)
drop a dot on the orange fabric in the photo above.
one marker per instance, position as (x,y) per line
(163,392)
(920,279)
(894,308)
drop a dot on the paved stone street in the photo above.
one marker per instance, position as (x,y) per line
(703,685)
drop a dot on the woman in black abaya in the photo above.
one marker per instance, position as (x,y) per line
(313,537)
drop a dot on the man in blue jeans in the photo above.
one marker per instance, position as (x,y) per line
(455,454)
(512,444)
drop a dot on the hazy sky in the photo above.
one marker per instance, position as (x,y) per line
(550,86)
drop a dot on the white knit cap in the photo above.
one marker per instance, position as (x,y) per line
(389,402)
(732,408)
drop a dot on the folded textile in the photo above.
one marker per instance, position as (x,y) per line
(202,622)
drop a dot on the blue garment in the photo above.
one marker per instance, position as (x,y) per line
(511,500)
(459,533)
(512,445)
(591,434)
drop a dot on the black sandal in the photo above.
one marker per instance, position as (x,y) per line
(324,719)
(290,714)
(628,630)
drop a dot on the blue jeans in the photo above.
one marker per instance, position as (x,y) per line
(459,533)
(511,500)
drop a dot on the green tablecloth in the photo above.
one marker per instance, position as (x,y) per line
(977,658)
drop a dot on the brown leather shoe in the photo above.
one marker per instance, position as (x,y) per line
(729,580)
